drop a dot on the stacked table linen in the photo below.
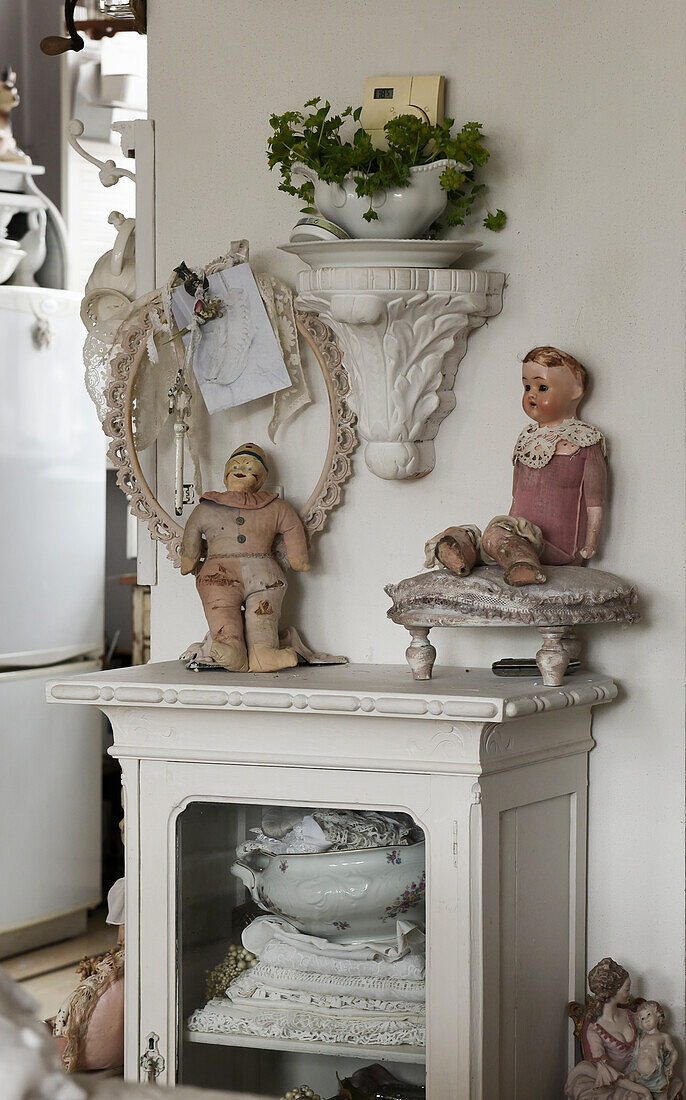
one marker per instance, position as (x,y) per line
(306,988)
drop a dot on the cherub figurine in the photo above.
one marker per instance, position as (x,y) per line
(558,488)
(615,1066)
(239,570)
(9,99)
(655,1055)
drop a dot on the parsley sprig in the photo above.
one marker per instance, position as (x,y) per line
(313,137)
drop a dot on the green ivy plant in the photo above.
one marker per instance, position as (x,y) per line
(313,137)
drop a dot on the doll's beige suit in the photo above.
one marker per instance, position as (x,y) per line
(239,570)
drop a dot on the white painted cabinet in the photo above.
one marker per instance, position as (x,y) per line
(493,770)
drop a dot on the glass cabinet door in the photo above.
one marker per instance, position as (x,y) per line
(275,986)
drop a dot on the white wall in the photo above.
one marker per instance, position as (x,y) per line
(583,104)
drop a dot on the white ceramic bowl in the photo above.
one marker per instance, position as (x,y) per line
(10,255)
(402,211)
(343,896)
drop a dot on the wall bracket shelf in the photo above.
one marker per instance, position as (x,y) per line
(403,332)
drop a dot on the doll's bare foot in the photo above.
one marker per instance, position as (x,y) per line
(523,572)
(457,553)
(266,658)
(232,656)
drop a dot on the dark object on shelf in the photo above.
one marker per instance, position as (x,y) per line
(375,1082)
(400,1092)
(117,16)
(525,666)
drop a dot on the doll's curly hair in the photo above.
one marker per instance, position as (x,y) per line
(604,981)
(553,357)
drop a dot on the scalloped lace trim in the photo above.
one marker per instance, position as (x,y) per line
(264,980)
(324,1026)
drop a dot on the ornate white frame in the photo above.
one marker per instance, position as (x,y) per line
(132,346)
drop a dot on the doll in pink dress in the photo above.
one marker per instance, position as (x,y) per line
(558,489)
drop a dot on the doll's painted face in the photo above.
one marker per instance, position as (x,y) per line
(551,394)
(244,473)
(647,1018)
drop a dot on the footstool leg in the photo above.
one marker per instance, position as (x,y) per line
(553,656)
(420,653)
(571,644)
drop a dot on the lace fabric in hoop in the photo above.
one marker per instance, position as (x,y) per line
(157,372)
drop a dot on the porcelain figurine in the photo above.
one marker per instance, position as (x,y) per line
(656,1054)
(9,99)
(616,1065)
(239,569)
(559,484)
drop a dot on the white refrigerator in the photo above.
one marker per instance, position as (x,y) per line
(52,557)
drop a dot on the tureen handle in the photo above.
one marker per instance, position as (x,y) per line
(245,874)
(337,194)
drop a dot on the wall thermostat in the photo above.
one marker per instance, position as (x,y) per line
(385,97)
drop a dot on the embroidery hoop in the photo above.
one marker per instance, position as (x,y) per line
(118,425)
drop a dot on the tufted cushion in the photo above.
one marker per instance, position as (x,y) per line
(572,595)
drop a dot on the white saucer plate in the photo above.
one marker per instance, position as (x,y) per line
(368,252)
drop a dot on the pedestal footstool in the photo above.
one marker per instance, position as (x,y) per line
(572,596)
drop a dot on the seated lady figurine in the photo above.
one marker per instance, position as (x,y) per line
(558,488)
(239,570)
(610,1044)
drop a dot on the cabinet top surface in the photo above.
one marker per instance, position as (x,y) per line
(382,690)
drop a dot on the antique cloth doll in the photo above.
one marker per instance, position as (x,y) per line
(239,527)
(655,1055)
(558,488)
(610,1042)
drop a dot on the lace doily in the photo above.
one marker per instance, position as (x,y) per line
(536,444)
(325,1026)
(362,829)
(266,980)
(332,830)
(345,1004)
(156,373)
(275,953)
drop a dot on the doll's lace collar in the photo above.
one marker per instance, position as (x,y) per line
(536,444)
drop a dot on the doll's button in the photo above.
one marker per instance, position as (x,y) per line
(240,538)
(240,521)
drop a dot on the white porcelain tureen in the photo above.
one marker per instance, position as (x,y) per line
(343,896)
(402,211)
